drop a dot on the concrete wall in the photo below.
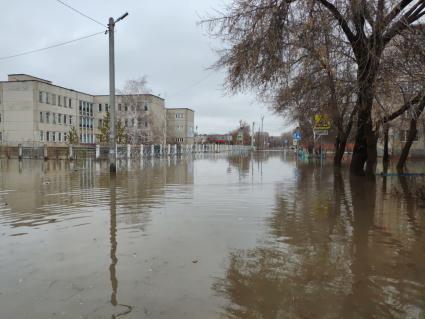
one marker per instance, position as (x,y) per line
(17,112)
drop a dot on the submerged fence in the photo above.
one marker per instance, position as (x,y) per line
(122,151)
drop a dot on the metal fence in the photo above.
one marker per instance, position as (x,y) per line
(123,151)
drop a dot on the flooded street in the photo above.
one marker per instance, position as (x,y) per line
(212,237)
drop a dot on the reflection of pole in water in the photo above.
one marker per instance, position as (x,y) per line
(113,253)
(113,239)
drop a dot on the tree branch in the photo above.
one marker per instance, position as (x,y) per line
(341,20)
(418,98)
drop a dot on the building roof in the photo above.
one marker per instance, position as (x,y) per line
(37,79)
(179,108)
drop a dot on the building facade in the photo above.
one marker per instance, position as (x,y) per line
(180,126)
(35,111)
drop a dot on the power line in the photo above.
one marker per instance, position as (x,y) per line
(50,46)
(192,85)
(81,13)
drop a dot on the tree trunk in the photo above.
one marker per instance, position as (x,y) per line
(340,144)
(372,153)
(363,152)
(406,149)
(361,146)
(411,135)
(386,157)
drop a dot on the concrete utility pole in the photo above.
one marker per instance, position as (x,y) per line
(262,132)
(252,136)
(112,118)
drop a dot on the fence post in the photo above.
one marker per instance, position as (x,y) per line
(70,152)
(97,151)
(45,155)
(20,151)
(169,150)
(141,150)
(175,149)
(160,149)
(128,150)
(152,150)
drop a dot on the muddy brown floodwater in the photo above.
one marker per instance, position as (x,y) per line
(212,237)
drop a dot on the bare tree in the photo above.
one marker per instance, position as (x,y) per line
(264,51)
(141,125)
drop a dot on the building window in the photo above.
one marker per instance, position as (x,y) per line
(54,99)
(48,136)
(70,103)
(47,98)
(70,120)
(99,124)
(146,106)
(41,136)
(125,107)
(53,137)
(59,118)
(126,123)
(54,118)
(119,106)
(139,122)
(107,107)
(40,97)
(64,119)
(65,137)
(59,100)
(179,115)
(47,117)
(100,107)
(60,137)
(64,101)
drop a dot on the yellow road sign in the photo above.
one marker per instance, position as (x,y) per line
(322,122)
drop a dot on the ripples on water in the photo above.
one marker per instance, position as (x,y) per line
(211,237)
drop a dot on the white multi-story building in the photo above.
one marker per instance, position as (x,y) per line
(180,126)
(35,111)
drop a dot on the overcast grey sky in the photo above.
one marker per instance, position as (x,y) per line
(159,39)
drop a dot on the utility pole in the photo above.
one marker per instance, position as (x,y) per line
(262,132)
(252,137)
(112,118)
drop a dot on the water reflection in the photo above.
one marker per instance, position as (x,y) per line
(337,249)
(258,236)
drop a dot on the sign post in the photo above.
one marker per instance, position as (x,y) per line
(322,125)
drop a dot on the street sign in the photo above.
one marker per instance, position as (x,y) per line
(297,135)
(320,132)
(240,136)
(322,122)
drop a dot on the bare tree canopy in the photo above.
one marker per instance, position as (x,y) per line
(328,51)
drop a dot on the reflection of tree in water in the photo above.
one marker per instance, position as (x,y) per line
(241,163)
(331,254)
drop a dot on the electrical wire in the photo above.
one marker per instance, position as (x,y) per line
(192,85)
(50,46)
(80,13)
